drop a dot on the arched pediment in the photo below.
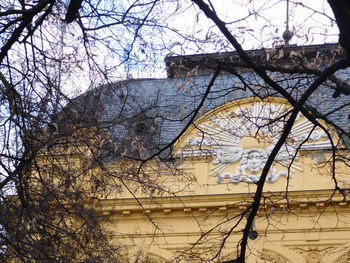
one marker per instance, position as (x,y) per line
(269,256)
(279,254)
(236,139)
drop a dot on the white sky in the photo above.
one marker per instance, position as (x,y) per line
(262,23)
(255,24)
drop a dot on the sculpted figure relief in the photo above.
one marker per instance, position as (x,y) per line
(223,135)
(252,161)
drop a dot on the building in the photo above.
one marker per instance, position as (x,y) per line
(191,202)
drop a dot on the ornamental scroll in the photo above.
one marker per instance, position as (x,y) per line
(240,140)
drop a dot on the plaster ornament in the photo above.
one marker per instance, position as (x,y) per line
(314,254)
(251,162)
(228,155)
(268,256)
(226,135)
(313,257)
(344,258)
(318,157)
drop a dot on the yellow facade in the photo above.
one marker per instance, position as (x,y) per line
(200,215)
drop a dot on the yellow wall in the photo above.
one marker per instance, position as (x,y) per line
(191,218)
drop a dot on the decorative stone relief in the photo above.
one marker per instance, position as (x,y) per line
(318,157)
(252,160)
(228,135)
(313,257)
(313,254)
(268,256)
(344,259)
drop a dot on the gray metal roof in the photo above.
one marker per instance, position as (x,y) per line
(164,106)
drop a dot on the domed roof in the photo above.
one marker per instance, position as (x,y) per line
(151,113)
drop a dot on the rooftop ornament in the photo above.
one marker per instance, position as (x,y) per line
(287,34)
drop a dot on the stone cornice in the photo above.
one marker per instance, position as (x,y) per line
(223,203)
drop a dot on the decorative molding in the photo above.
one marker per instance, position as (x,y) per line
(240,141)
(344,258)
(298,201)
(313,257)
(313,254)
(268,256)
(340,253)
